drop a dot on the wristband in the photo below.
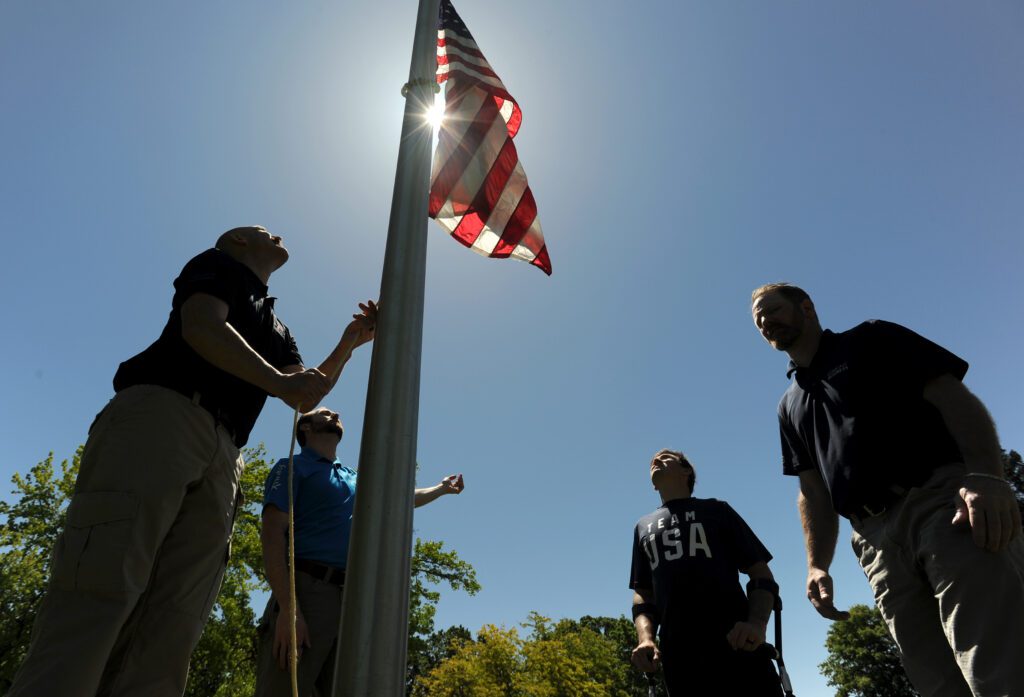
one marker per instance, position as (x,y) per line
(649,609)
(763,584)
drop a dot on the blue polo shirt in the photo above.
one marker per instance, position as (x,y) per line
(325,494)
(857,413)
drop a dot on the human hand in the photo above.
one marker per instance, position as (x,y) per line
(363,326)
(283,638)
(646,656)
(304,390)
(819,592)
(746,636)
(990,508)
(452,484)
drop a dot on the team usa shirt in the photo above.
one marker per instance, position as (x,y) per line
(690,552)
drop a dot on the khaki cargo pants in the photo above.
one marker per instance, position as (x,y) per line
(141,558)
(955,610)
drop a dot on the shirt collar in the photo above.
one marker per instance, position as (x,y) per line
(250,275)
(827,338)
(311,454)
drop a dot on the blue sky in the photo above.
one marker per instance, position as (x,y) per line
(680,155)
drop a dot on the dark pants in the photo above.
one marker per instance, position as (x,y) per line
(694,670)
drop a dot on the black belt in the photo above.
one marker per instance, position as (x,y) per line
(330,574)
(218,414)
(890,496)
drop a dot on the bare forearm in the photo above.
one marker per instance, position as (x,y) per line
(427,494)
(335,362)
(821,529)
(761,602)
(645,626)
(223,347)
(275,555)
(969,423)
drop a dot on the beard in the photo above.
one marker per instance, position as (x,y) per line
(328,427)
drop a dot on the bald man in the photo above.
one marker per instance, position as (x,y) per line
(139,563)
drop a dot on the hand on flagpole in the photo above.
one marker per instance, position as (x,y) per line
(363,326)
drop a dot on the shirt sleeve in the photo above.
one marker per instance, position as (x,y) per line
(640,570)
(206,273)
(908,355)
(275,490)
(795,458)
(290,351)
(747,548)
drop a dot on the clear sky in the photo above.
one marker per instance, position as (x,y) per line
(681,153)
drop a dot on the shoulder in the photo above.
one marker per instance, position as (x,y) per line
(210,261)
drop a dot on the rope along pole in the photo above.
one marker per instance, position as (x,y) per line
(293,615)
(293,650)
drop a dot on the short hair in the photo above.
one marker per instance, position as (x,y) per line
(692,479)
(300,435)
(792,293)
(225,238)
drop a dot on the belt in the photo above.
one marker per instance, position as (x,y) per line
(322,572)
(891,495)
(208,404)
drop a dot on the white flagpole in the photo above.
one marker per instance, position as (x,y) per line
(375,610)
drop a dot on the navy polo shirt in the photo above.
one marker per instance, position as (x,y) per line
(171,362)
(325,495)
(857,413)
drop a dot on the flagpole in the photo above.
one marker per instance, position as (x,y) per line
(374,625)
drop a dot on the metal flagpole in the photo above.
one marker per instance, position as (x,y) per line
(374,615)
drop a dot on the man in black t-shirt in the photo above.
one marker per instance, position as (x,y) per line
(687,556)
(139,563)
(880,429)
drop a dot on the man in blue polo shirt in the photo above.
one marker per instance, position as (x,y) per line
(324,493)
(880,429)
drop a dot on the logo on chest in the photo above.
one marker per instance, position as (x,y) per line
(666,539)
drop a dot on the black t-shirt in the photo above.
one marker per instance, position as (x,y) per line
(690,552)
(171,362)
(858,413)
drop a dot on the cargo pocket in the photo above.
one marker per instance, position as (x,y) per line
(90,553)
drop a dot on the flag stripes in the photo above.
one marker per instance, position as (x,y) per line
(478,191)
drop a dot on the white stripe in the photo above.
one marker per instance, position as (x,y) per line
(486,242)
(457,127)
(534,234)
(522,253)
(510,195)
(506,110)
(480,165)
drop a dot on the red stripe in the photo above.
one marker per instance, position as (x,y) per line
(543,261)
(473,49)
(470,48)
(454,61)
(496,179)
(515,119)
(518,224)
(461,155)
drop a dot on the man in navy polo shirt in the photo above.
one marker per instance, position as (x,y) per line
(324,498)
(880,429)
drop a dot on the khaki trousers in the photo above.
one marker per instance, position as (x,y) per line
(139,564)
(955,610)
(320,603)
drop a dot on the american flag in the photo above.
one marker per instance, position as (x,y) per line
(478,189)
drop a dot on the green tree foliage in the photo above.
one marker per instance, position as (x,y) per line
(863,659)
(28,528)
(1013,468)
(570,658)
(223,664)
